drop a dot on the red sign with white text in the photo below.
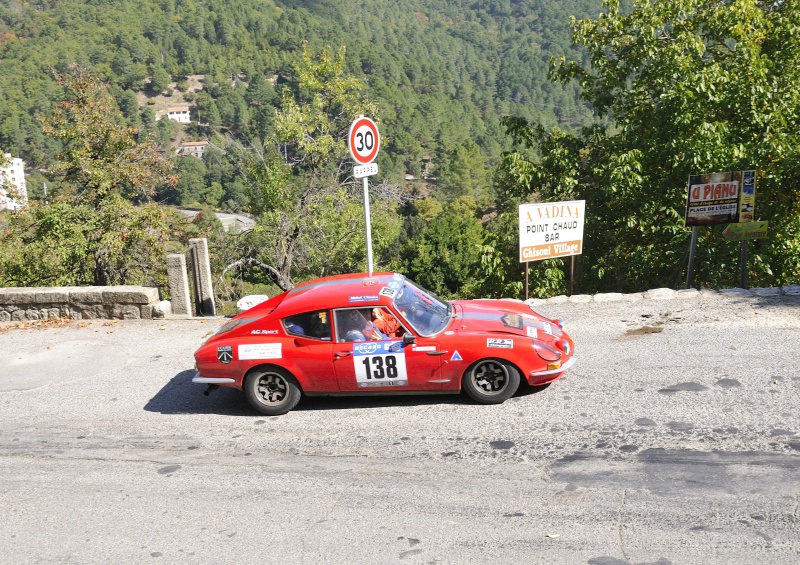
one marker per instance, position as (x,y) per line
(363,140)
(713,199)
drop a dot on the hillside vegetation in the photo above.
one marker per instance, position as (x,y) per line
(441,71)
(482,106)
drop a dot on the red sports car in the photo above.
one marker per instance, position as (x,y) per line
(380,334)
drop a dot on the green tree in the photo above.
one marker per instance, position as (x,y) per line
(165,131)
(465,174)
(159,79)
(91,234)
(148,117)
(99,157)
(129,105)
(688,87)
(306,208)
(207,111)
(191,187)
(446,256)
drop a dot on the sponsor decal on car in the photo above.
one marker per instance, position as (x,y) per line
(259,351)
(380,364)
(512,321)
(531,331)
(500,343)
(366,348)
(225,354)
(547,328)
(264,332)
(424,348)
(456,356)
(388,291)
(364,298)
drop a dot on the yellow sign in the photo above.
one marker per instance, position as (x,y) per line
(747,201)
(747,230)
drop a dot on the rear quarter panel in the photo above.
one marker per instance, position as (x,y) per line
(309,361)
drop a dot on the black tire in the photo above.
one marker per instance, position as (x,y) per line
(490,381)
(272,391)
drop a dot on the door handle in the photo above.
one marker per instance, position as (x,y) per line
(340,354)
(439,352)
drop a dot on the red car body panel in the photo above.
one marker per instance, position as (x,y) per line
(470,331)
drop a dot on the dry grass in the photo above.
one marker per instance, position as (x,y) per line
(39,324)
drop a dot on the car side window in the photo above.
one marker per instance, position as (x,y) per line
(386,323)
(355,324)
(314,325)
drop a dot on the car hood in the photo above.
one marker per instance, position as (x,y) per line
(505,316)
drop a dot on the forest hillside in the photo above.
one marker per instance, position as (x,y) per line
(441,71)
(482,106)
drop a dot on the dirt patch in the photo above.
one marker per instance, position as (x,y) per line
(644,330)
(162,102)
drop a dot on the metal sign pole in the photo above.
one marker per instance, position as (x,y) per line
(572,275)
(692,245)
(364,141)
(743,260)
(369,227)
(526,280)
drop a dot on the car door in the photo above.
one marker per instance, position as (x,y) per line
(381,366)
(310,350)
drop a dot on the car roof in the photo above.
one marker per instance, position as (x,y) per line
(339,291)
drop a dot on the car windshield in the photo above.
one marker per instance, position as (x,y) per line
(423,310)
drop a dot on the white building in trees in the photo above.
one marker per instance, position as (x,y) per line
(13,190)
(193,149)
(180,114)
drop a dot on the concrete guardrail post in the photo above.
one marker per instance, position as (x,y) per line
(201,268)
(179,284)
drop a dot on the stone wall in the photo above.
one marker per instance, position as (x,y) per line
(79,302)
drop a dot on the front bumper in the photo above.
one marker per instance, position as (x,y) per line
(570,362)
(197,379)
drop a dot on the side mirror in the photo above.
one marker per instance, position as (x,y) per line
(408,339)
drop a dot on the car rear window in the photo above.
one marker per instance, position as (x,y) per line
(235,323)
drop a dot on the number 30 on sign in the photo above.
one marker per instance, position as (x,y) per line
(363,140)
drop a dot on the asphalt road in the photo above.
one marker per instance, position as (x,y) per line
(674,440)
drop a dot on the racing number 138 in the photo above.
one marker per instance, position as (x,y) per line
(384,367)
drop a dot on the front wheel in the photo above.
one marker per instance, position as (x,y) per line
(272,391)
(491,381)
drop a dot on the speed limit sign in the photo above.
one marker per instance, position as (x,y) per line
(363,140)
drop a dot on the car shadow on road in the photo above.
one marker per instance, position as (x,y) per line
(181,396)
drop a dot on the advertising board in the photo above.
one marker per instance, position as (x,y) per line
(720,198)
(551,230)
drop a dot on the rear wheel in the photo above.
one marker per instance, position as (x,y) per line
(272,391)
(491,381)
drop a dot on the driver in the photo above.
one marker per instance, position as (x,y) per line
(386,323)
(355,327)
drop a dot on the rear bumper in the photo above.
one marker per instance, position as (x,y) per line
(536,375)
(197,379)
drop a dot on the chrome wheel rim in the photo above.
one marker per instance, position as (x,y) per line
(271,388)
(490,377)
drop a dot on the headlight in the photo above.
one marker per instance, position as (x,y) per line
(547,353)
